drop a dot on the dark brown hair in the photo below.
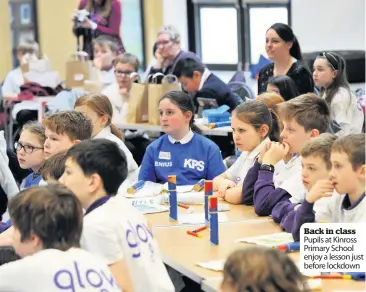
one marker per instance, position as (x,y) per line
(259,269)
(70,123)
(52,213)
(185,104)
(104,8)
(309,111)
(36,129)
(321,147)
(101,105)
(54,166)
(354,146)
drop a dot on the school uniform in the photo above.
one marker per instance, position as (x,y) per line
(267,188)
(114,230)
(192,158)
(337,210)
(32,179)
(213,87)
(238,171)
(12,82)
(346,112)
(54,270)
(131,164)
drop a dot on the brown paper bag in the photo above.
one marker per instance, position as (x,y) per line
(138,104)
(156,91)
(78,69)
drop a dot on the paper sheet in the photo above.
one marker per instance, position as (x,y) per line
(150,209)
(213,265)
(315,284)
(269,240)
(150,189)
(198,218)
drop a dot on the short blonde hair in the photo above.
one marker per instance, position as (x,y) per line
(106,41)
(128,58)
(28,46)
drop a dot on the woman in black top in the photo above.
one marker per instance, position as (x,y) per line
(284,50)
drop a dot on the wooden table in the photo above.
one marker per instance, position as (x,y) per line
(182,251)
(156,128)
(213,285)
(236,213)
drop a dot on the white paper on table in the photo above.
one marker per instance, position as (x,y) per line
(269,240)
(150,209)
(198,218)
(315,284)
(180,189)
(150,189)
(213,265)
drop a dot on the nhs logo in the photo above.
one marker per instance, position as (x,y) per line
(194,164)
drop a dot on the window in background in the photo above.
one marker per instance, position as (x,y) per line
(23,24)
(219,35)
(132,28)
(260,19)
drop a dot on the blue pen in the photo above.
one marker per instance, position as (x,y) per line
(137,186)
(288,247)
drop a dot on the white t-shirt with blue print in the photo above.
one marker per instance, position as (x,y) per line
(195,158)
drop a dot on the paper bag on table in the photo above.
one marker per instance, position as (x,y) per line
(156,91)
(78,69)
(138,103)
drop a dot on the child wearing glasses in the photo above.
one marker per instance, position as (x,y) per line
(30,152)
(330,77)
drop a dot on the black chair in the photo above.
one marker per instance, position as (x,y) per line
(241,89)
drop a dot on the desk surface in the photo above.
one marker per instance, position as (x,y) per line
(213,285)
(236,213)
(182,251)
(156,128)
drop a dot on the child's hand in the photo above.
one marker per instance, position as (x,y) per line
(98,63)
(276,153)
(297,207)
(124,91)
(226,184)
(263,151)
(321,189)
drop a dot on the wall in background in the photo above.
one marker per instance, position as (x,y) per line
(329,24)
(5,48)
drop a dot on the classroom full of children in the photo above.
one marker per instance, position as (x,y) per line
(114,182)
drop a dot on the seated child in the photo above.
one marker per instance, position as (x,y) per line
(347,177)
(198,80)
(119,95)
(316,165)
(30,152)
(54,167)
(15,78)
(98,109)
(48,222)
(181,151)
(113,229)
(64,129)
(303,118)
(261,269)
(105,53)
(251,123)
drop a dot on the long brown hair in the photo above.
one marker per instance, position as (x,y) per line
(259,269)
(104,8)
(101,105)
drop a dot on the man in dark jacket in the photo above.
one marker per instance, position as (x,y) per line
(198,80)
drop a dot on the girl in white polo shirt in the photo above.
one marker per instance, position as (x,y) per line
(98,109)
(252,123)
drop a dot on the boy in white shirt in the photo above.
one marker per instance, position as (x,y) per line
(14,79)
(113,229)
(347,177)
(48,222)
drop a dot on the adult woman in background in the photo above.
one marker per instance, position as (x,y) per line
(105,18)
(283,49)
(169,51)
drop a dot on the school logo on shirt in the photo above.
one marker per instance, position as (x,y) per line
(164,155)
(194,164)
